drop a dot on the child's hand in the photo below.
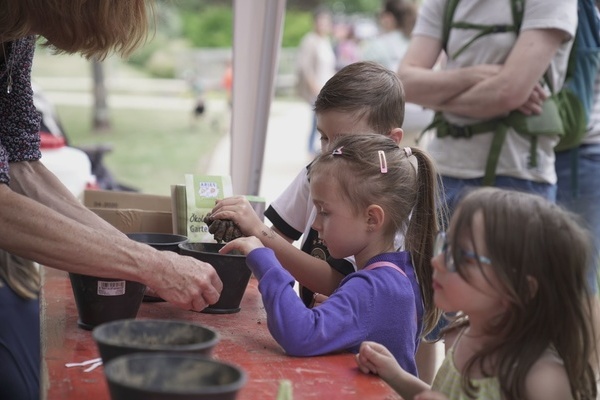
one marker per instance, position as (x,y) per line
(318,299)
(243,244)
(430,395)
(376,359)
(239,210)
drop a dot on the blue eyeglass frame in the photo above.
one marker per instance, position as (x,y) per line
(441,246)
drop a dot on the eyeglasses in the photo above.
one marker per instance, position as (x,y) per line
(441,246)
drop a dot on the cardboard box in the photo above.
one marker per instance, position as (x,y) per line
(131,212)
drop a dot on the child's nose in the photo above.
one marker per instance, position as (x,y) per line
(316,225)
(437,262)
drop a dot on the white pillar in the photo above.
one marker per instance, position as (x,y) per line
(256,41)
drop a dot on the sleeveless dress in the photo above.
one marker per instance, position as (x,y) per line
(448,380)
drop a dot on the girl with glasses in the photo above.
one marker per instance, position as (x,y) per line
(513,267)
(365,191)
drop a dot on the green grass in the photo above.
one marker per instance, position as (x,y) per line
(152,149)
(47,64)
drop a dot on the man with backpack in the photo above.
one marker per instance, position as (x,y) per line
(501,56)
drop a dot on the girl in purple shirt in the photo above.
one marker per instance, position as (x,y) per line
(360,209)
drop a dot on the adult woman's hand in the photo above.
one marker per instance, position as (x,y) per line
(184,281)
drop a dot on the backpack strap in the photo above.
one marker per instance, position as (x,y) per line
(380,264)
(447,22)
(517,9)
(498,125)
(444,128)
(494,154)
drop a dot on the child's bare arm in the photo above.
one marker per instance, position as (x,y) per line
(430,395)
(311,272)
(548,380)
(376,359)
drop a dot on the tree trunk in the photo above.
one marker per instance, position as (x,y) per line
(101,117)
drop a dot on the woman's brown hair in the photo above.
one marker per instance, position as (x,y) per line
(94,28)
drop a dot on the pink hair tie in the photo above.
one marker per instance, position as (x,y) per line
(337,151)
(408,151)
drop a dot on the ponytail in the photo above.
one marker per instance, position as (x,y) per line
(421,232)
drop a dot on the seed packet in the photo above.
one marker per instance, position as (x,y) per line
(201,193)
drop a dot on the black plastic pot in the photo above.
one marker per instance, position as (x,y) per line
(101,300)
(160,376)
(128,336)
(232,270)
(159,241)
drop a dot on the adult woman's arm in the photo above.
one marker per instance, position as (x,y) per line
(79,241)
(35,181)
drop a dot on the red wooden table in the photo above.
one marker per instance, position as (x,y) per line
(245,341)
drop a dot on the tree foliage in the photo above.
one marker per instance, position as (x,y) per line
(182,24)
(209,23)
(213,27)
(302,5)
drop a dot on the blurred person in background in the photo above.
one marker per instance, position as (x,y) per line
(396,21)
(315,64)
(347,45)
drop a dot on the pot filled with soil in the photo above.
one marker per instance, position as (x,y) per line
(128,336)
(164,376)
(232,270)
(159,241)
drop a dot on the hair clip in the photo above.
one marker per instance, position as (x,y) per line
(382,161)
(408,151)
(337,151)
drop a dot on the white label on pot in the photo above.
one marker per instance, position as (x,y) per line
(113,288)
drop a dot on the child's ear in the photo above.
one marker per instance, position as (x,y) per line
(375,217)
(396,135)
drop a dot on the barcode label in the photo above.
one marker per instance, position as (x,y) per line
(113,288)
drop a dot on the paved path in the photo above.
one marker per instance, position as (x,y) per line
(285,148)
